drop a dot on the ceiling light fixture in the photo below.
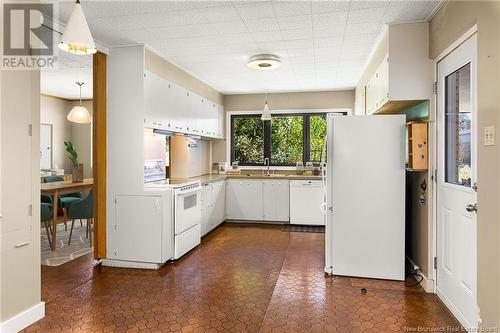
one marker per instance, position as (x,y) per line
(266,114)
(264,62)
(77,38)
(79,114)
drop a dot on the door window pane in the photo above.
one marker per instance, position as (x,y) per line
(458,127)
(248,140)
(318,136)
(287,136)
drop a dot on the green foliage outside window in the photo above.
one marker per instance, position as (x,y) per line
(282,139)
(248,142)
(287,140)
(318,135)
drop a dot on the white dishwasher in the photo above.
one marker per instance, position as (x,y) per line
(306,198)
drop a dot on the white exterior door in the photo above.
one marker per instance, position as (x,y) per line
(45,146)
(456,179)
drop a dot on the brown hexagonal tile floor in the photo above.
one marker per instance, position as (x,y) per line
(242,278)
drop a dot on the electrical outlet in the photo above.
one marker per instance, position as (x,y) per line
(489,136)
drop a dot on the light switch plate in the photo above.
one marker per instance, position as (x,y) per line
(489,136)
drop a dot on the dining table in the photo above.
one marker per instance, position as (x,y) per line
(56,189)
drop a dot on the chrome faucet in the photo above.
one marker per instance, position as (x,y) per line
(267,162)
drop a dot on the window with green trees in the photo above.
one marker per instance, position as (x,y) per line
(286,140)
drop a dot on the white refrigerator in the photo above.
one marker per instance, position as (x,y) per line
(365,196)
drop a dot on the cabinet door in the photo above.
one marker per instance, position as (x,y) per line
(206,199)
(244,200)
(276,200)
(218,207)
(138,229)
(282,204)
(269,200)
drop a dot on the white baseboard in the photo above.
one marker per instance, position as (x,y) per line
(426,283)
(130,264)
(23,319)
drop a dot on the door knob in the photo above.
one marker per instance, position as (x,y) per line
(471,208)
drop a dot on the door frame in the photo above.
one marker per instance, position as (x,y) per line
(99,100)
(433,143)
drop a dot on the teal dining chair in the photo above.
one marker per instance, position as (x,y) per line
(46,218)
(64,200)
(83,209)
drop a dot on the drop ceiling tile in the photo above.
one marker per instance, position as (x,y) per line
(368,4)
(220,14)
(328,19)
(229,27)
(272,46)
(326,31)
(329,6)
(366,15)
(254,9)
(308,52)
(237,38)
(363,28)
(297,34)
(327,42)
(299,44)
(295,22)
(267,36)
(265,24)
(291,8)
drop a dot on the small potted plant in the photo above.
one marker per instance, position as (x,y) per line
(77,172)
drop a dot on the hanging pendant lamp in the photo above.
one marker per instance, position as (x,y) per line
(79,114)
(77,38)
(266,114)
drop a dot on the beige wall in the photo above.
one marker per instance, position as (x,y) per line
(452,20)
(187,162)
(289,101)
(169,71)
(54,110)
(81,136)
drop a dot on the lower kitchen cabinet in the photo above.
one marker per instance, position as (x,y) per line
(142,228)
(213,203)
(258,200)
(276,196)
(244,199)
(306,197)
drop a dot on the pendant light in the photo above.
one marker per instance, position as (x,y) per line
(266,114)
(77,38)
(79,114)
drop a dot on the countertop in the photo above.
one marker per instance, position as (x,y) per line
(217,177)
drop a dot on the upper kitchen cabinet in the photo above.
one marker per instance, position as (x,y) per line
(170,107)
(399,73)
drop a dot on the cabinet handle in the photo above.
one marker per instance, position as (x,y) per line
(22,244)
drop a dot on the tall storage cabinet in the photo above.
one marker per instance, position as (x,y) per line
(404,76)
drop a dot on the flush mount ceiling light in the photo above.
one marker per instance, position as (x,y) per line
(264,62)
(77,38)
(79,114)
